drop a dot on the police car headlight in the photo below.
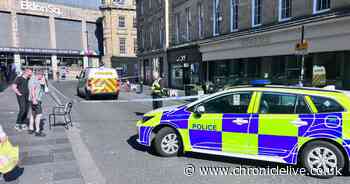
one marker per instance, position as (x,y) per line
(146,118)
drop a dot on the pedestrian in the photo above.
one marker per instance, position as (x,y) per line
(20,87)
(9,157)
(36,93)
(156,91)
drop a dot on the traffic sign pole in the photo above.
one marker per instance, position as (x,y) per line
(301,79)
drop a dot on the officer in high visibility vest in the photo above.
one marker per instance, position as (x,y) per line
(157,91)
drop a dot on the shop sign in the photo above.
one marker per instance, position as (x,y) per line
(38,50)
(319,76)
(40,7)
(255,41)
(181,58)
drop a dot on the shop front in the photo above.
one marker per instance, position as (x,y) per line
(126,67)
(185,67)
(271,54)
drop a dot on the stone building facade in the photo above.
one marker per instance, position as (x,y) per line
(120,36)
(249,39)
(49,36)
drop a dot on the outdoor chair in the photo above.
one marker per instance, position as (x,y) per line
(62,111)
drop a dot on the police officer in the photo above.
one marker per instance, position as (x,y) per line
(156,91)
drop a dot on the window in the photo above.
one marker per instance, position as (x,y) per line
(141,6)
(325,105)
(216,17)
(302,107)
(321,5)
(285,9)
(134,2)
(276,103)
(151,36)
(200,20)
(121,21)
(188,24)
(122,47)
(233,103)
(256,12)
(234,14)
(177,28)
(161,32)
(134,22)
(135,45)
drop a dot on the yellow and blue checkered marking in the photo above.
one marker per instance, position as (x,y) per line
(266,135)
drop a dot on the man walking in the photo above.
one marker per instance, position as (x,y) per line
(36,89)
(20,87)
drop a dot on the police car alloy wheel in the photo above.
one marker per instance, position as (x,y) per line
(167,142)
(323,159)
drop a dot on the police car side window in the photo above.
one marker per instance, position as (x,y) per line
(302,107)
(277,103)
(236,103)
(325,105)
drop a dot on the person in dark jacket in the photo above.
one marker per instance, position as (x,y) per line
(20,87)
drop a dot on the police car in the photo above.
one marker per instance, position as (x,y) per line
(272,123)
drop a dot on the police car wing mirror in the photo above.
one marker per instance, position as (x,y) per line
(199,110)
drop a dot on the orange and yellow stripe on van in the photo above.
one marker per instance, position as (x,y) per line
(104,85)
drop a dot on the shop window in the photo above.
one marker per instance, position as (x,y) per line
(285,9)
(326,105)
(121,21)
(256,12)
(321,5)
(234,14)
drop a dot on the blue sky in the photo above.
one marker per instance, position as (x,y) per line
(81,3)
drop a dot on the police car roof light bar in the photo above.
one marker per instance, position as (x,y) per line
(260,82)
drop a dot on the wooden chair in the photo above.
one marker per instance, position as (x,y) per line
(62,111)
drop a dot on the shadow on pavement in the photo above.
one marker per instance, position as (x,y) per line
(135,145)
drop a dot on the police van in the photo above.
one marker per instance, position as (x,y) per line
(281,124)
(98,81)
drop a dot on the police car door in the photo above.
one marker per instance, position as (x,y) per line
(224,125)
(281,117)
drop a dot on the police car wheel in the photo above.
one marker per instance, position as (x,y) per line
(323,159)
(167,142)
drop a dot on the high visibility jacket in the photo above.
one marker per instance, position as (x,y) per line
(11,153)
(156,88)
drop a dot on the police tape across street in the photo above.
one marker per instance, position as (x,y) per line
(151,100)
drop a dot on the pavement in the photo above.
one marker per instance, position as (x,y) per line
(108,132)
(48,160)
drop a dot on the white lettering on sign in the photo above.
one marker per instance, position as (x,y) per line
(181,58)
(40,7)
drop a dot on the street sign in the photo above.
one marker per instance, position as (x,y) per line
(301,48)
